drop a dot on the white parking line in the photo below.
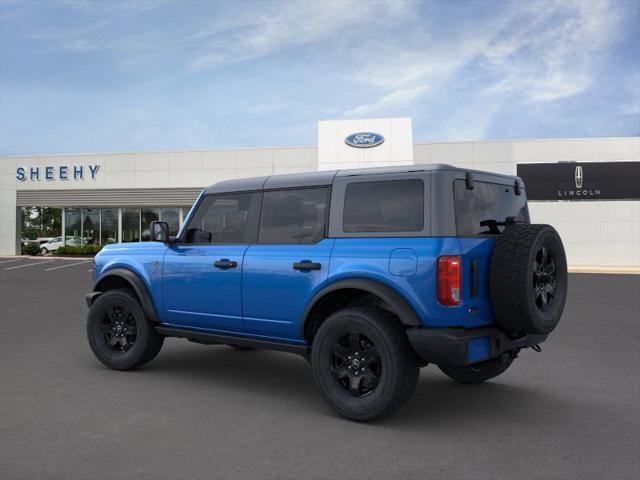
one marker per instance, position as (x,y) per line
(30,264)
(65,266)
(9,261)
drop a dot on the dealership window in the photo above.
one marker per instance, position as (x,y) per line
(90,226)
(172,217)
(224,219)
(385,206)
(293,216)
(72,226)
(130,224)
(109,226)
(148,215)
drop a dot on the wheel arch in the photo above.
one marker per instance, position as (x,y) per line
(333,296)
(124,278)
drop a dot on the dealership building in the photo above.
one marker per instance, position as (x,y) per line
(588,188)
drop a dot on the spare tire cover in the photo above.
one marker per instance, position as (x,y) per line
(528,279)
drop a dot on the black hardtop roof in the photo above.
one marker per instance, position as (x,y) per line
(326,177)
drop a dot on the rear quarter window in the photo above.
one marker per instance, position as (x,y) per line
(384,206)
(487,201)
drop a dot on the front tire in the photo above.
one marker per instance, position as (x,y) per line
(44,251)
(479,372)
(120,335)
(363,364)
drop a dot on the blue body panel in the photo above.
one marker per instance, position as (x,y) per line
(198,294)
(143,259)
(274,295)
(391,261)
(265,297)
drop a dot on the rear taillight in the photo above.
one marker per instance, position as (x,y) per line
(449,280)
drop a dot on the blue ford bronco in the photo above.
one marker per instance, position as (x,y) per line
(369,274)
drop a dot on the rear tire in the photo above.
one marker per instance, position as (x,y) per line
(363,364)
(120,335)
(479,372)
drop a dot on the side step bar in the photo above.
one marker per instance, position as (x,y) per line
(214,339)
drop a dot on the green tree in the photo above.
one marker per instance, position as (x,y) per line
(41,222)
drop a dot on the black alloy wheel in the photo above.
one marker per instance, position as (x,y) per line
(544,282)
(119,328)
(119,333)
(363,364)
(356,364)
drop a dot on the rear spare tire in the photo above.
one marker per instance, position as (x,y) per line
(528,279)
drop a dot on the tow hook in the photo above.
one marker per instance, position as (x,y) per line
(536,348)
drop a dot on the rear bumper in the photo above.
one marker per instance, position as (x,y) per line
(457,347)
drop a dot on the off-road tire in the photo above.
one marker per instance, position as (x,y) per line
(397,367)
(513,275)
(147,342)
(479,372)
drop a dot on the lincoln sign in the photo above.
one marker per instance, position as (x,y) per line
(581,180)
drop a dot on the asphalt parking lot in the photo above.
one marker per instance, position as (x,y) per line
(197,411)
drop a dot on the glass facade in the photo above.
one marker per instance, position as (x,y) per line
(101,226)
(72,226)
(109,226)
(147,216)
(90,226)
(172,217)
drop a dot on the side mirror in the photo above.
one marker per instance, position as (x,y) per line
(160,232)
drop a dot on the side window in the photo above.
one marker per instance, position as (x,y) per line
(293,216)
(384,206)
(228,218)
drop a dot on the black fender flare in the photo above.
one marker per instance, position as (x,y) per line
(398,304)
(136,284)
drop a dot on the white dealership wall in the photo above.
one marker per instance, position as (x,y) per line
(599,234)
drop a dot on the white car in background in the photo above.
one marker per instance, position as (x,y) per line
(57,242)
(52,245)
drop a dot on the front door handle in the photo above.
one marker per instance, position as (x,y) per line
(307,265)
(225,263)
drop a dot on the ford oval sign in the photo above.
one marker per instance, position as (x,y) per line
(364,139)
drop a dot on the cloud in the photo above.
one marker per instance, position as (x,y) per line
(540,52)
(396,99)
(286,25)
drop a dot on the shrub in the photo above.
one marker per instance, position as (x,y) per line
(31,249)
(83,250)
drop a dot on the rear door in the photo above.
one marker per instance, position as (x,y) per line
(289,262)
(202,275)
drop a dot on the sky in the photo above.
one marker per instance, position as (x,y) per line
(86,76)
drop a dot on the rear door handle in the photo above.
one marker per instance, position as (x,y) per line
(307,265)
(225,263)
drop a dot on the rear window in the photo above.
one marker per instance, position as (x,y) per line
(386,206)
(487,201)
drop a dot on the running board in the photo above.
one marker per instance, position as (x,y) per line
(214,339)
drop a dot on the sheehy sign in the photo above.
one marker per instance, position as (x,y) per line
(581,180)
(60,172)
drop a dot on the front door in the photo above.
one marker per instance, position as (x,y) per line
(202,273)
(289,262)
